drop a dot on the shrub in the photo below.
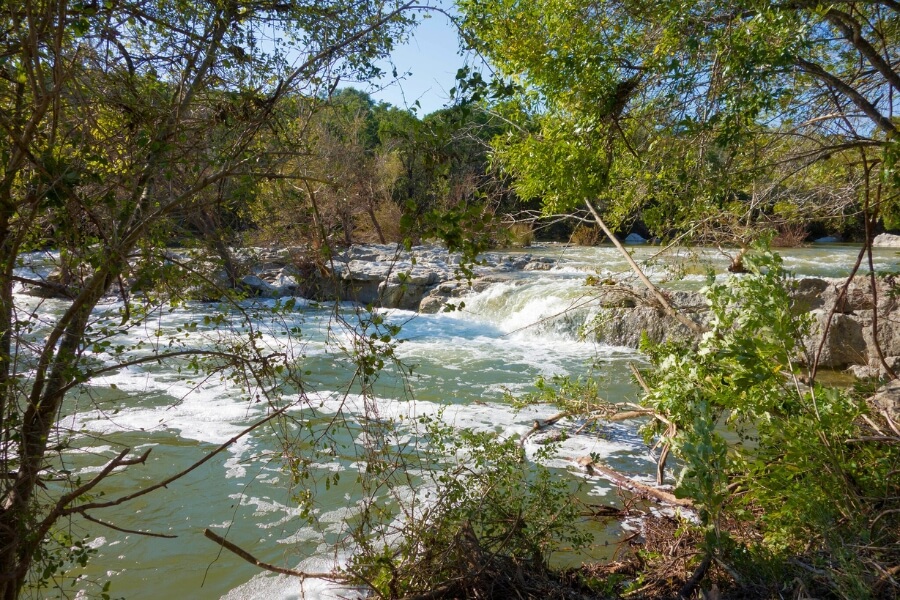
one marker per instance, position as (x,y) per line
(789,235)
(586,235)
(487,516)
(759,445)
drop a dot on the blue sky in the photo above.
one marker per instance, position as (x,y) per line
(432,57)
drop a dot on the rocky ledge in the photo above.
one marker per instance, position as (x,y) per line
(427,278)
(860,324)
(424,278)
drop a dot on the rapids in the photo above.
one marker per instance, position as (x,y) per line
(464,365)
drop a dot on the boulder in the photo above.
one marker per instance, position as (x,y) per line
(628,312)
(809,293)
(286,284)
(845,343)
(540,263)
(626,326)
(886,240)
(257,286)
(886,401)
(433,304)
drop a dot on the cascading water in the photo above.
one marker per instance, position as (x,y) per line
(502,340)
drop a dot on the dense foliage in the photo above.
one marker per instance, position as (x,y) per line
(713,120)
(760,443)
(120,121)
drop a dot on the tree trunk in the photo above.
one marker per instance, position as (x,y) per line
(18,539)
(371,210)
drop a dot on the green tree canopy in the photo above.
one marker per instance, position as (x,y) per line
(693,110)
(117,118)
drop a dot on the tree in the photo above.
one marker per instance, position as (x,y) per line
(117,118)
(687,113)
(714,118)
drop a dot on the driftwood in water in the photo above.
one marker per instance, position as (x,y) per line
(638,488)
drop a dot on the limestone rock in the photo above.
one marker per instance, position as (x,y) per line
(809,293)
(540,264)
(845,343)
(887,401)
(433,304)
(886,240)
(258,286)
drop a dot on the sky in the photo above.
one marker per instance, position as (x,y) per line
(431,56)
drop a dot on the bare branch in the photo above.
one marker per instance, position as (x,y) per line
(124,530)
(663,301)
(266,566)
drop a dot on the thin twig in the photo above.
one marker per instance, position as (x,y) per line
(123,530)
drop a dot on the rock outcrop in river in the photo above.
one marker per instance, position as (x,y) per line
(428,278)
(854,335)
(424,279)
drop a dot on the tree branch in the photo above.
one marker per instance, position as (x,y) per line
(266,566)
(124,530)
(852,31)
(666,305)
(637,487)
(179,475)
(850,92)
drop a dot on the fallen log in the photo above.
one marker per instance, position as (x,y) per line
(636,487)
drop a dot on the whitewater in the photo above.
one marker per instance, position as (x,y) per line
(465,366)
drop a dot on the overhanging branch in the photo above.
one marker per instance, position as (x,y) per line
(269,567)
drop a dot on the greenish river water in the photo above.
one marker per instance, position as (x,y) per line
(465,362)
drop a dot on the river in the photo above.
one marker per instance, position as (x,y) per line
(464,365)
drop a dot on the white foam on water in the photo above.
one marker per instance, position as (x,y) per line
(211,411)
(617,439)
(599,491)
(281,587)
(265,506)
(509,333)
(222,525)
(339,515)
(676,512)
(234,465)
(303,535)
(97,542)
